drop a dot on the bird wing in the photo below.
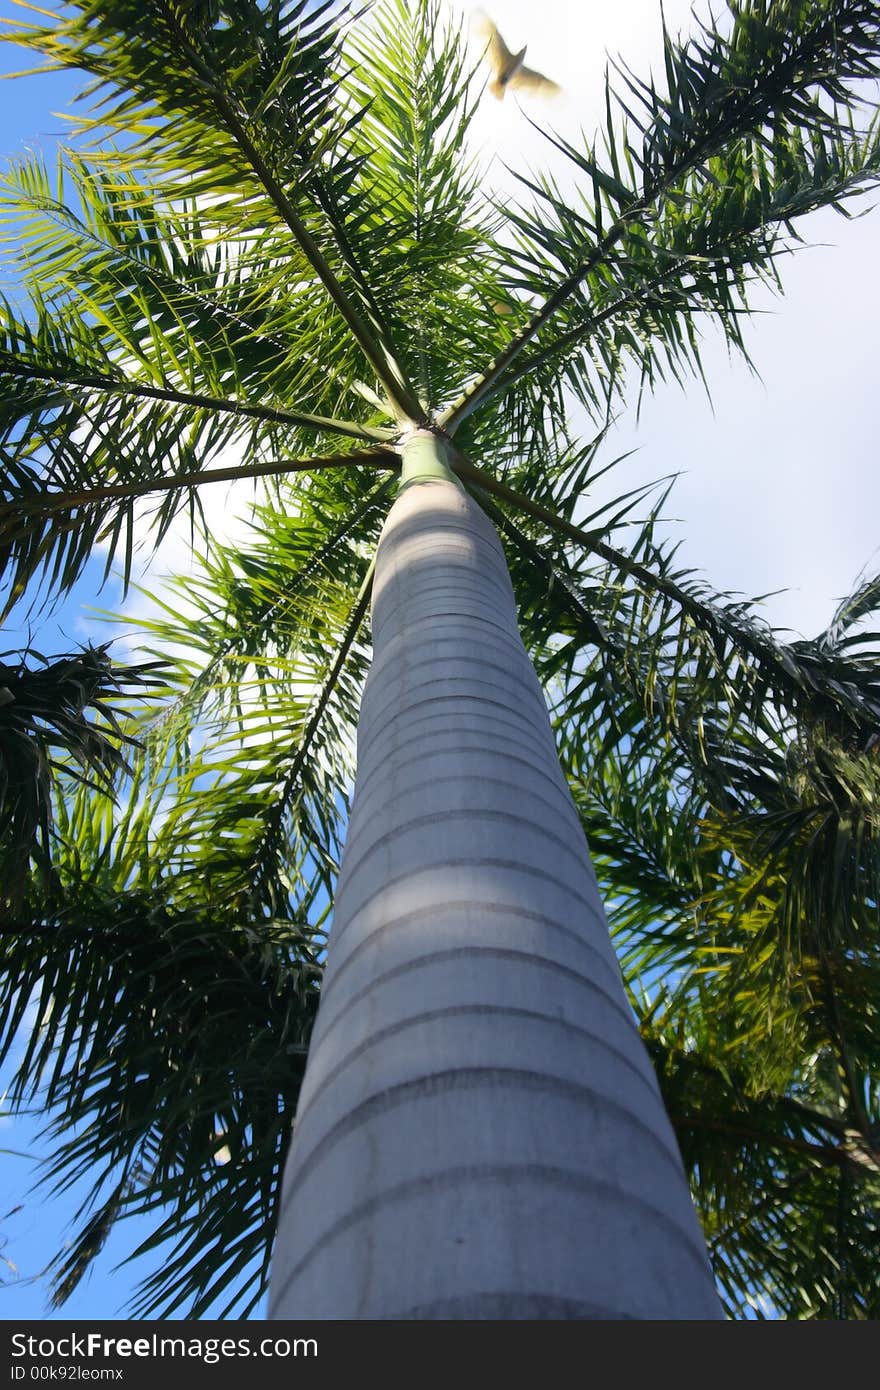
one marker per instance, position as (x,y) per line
(535,83)
(498,55)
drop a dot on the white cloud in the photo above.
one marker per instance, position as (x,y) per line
(781,485)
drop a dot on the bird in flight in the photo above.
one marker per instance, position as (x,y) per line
(508,69)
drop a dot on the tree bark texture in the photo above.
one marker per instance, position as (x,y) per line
(480,1133)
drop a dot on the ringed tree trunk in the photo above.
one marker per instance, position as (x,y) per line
(480,1133)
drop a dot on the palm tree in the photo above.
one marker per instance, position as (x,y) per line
(275,250)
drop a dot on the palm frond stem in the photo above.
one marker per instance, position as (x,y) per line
(63,501)
(473,395)
(527,546)
(379,354)
(826,1155)
(767,652)
(113,386)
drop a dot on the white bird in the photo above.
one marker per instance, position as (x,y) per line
(508,69)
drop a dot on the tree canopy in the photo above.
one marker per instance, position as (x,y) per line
(270,253)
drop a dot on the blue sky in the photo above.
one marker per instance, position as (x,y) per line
(33,1234)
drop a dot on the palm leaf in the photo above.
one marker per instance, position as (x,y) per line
(61,706)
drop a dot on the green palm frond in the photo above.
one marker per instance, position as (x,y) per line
(749,935)
(659,621)
(51,709)
(114,392)
(787,1194)
(259,739)
(172,1045)
(414,212)
(237,100)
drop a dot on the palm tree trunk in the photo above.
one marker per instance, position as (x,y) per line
(480,1134)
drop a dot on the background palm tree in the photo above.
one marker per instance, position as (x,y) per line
(275,248)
